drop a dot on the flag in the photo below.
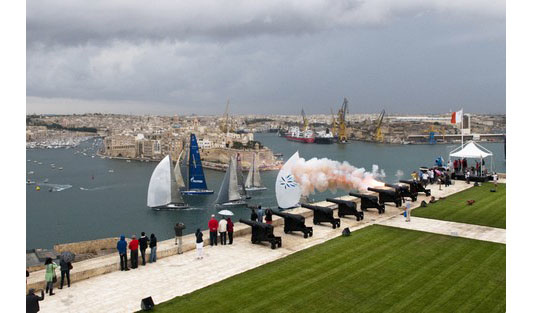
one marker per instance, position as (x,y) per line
(457,116)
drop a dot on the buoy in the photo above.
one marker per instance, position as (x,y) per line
(37,188)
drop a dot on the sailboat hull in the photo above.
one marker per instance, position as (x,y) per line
(196,192)
(171,207)
(232,203)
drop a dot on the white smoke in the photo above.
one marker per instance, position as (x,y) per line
(325,174)
(399,174)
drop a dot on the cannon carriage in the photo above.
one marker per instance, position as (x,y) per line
(403,191)
(323,215)
(294,222)
(263,232)
(368,202)
(416,187)
(347,208)
(387,195)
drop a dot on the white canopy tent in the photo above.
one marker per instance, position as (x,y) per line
(472,150)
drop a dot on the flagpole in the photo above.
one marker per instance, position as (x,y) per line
(462,119)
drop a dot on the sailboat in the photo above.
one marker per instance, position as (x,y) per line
(253,180)
(229,195)
(163,192)
(240,179)
(195,183)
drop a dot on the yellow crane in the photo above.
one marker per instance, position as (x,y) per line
(226,126)
(378,136)
(306,122)
(342,137)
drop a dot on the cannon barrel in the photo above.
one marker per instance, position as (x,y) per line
(385,191)
(247,222)
(361,195)
(279,213)
(339,201)
(395,186)
(314,207)
(406,181)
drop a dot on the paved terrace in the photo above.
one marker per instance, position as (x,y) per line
(110,290)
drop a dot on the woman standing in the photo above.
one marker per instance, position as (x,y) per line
(50,275)
(230,231)
(153,248)
(268,216)
(199,244)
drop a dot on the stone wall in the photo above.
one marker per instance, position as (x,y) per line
(90,246)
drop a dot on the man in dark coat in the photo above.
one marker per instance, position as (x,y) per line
(178,230)
(143,245)
(122,246)
(32,301)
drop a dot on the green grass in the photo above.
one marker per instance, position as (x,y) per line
(376,269)
(488,210)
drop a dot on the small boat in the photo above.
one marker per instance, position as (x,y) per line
(60,168)
(195,183)
(163,191)
(229,195)
(30,182)
(111,171)
(40,163)
(29,160)
(30,173)
(129,161)
(45,180)
(253,180)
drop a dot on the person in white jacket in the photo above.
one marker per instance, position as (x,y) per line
(222,229)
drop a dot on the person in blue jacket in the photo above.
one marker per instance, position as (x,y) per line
(122,247)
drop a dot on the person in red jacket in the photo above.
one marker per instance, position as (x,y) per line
(230,230)
(134,251)
(213,227)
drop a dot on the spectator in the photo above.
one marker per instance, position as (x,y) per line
(199,244)
(178,230)
(495,179)
(230,231)
(465,165)
(65,271)
(222,228)
(254,216)
(143,245)
(425,178)
(213,227)
(32,301)
(447,180)
(50,275)
(153,248)
(134,251)
(431,175)
(122,247)
(467,176)
(260,214)
(268,216)
(407,213)
(414,175)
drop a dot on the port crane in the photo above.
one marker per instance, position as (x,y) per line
(306,122)
(334,126)
(225,127)
(378,136)
(342,137)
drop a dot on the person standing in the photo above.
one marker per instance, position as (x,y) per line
(153,248)
(222,228)
(143,245)
(254,216)
(178,230)
(50,275)
(134,251)
(199,244)
(425,179)
(268,216)
(467,176)
(495,179)
(260,214)
(431,174)
(122,247)
(407,213)
(213,228)
(32,301)
(230,230)
(65,271)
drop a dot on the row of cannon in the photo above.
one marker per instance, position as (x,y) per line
(294,222)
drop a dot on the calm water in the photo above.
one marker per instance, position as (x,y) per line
(112,204)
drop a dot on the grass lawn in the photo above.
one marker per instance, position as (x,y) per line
(376,269)
(488,210)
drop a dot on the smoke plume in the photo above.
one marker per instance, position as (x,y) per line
(325,174)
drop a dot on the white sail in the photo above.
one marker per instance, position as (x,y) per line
(240,177)
(163,189)
(288,191)
(177,172)
(229,190)
(253,180)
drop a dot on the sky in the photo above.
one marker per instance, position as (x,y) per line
(266,57)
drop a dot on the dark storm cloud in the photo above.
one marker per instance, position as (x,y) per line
(183,56)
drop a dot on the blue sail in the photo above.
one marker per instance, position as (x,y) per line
(196,172)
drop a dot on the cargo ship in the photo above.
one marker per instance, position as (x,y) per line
(295,134)
(324,137)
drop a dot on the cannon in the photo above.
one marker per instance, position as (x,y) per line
(347,208)
(294,222)
(263,232)
(403,191)
(416,187)
(323,215)
(387,195)
(369,201)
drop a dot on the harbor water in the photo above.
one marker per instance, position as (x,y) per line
(92,198)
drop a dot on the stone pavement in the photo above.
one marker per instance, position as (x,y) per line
(448,228)
(176,275)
